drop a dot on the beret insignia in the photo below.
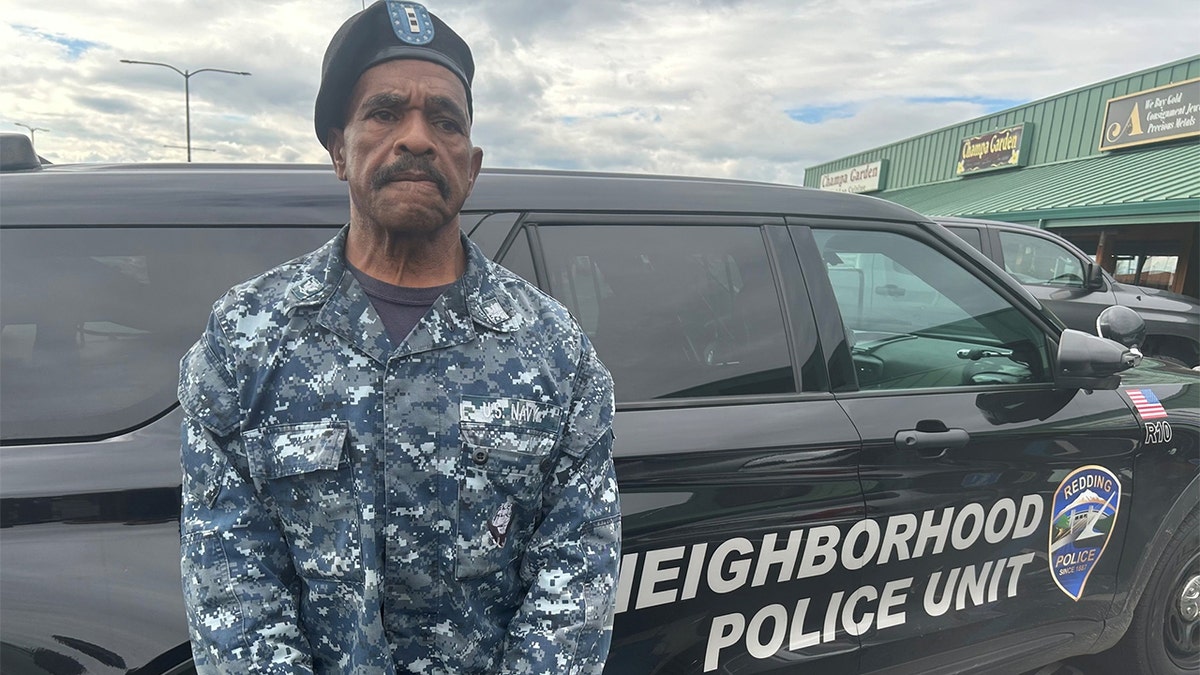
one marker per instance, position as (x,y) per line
(410,22)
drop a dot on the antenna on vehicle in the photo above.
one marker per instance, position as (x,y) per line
(16,153)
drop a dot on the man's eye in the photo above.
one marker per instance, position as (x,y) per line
(383,115)
(449,126)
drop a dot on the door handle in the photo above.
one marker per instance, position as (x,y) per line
(931,444)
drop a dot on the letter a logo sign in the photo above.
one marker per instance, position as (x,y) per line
(1132,126)
(1084,514)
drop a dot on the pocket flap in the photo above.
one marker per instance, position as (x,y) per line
(204,394)
(288,450)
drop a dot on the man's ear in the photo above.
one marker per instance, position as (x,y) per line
(476,164)
(337,151)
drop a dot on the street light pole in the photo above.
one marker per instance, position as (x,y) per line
(187,94)
(32,133)
(181,147)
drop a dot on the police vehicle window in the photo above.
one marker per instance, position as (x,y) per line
(917,319)
(518,257)
(93,321)
(488,232)
(1033,260)
(467,222)
(674,311)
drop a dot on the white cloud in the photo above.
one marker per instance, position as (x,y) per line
(756,89)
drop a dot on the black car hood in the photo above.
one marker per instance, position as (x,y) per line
(1139,297)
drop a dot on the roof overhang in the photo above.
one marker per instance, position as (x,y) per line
(1150,185)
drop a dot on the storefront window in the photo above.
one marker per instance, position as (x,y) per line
(1152,271)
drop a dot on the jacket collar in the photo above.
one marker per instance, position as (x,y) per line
(487,300)
(323,284)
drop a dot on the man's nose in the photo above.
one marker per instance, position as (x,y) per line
(414,136)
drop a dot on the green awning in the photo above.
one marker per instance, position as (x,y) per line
(1157,185)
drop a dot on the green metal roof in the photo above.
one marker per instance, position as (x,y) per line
(1160,184)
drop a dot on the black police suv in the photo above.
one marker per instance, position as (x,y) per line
(847,442)
(1070,284)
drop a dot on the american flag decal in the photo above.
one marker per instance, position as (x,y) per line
(1147,404)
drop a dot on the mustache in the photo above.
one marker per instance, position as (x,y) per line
(407,165)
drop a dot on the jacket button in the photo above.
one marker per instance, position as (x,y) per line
(480,456)
(547,464)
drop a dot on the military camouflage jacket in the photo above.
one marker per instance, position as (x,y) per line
(447,505)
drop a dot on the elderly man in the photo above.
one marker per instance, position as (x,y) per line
(397,454)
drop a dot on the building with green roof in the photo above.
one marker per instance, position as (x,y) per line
(1114,167)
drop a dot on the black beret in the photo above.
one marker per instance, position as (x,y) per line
(385,31)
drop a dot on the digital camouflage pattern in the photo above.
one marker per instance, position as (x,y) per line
(447,505)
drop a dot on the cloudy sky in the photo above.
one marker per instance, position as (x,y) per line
(755,89)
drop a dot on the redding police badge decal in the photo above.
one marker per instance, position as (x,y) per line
(1085,511)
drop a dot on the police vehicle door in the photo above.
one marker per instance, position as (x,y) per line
(995,501)
(727,453)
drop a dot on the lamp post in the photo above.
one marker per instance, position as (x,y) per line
(181,147)
(187,96)
(32,132)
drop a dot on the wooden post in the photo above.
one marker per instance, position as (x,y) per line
(1105,251)
(1187,234)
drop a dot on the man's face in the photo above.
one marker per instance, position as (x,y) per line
(406,148)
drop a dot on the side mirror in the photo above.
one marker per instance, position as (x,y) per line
(1093,277)
(1122,324)
(1092,362)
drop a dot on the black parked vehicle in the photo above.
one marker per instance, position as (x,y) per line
(1069,283)
(846,441)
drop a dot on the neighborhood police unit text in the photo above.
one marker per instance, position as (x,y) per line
(681,573)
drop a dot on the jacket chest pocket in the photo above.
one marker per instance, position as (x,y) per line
(304,470)
(505,458)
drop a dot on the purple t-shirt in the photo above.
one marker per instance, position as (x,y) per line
(400,307)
